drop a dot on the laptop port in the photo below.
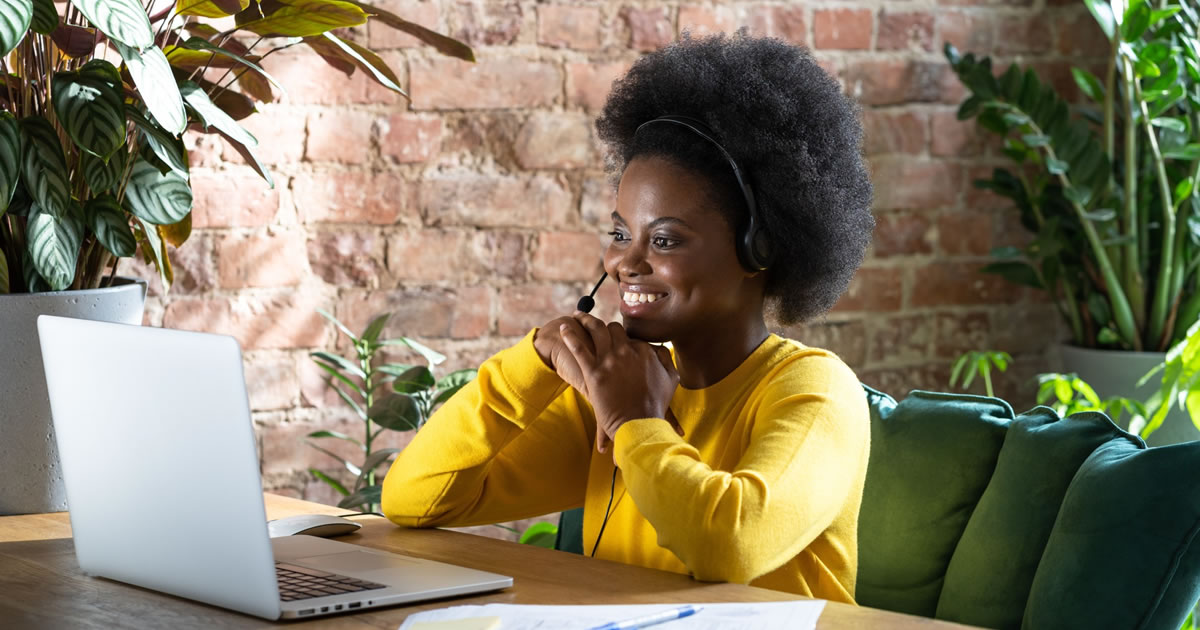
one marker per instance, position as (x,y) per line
(306,611)
(354,605)
(324,609)
(338,607)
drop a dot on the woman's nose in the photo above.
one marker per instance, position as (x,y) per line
(633,262)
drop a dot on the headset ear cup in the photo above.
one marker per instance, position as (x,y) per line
(754,248)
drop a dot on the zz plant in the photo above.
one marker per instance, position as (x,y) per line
(1107,188)
(95,100)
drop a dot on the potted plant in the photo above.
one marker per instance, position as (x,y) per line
(1107,190)
(93,105)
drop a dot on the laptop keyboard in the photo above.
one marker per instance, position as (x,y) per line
(296,583)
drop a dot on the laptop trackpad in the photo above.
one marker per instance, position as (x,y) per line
(358,562)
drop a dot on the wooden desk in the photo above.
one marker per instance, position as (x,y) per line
(41,585)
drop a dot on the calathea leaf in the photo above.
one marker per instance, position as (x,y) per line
(111,225)
(10,158)
(445,45)
(210,8)
(154,250)
(15,17)
(157,198)
(303,18)
(155,82)
(43,166)
(53,241)
(361,57)
(123,21)
(212,116)
(199,43)
(45,17)
(167,148)
(74,41)
(5,285)
(91,107)
(102,176)
(33,281)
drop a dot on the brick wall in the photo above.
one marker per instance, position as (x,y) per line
(477,211)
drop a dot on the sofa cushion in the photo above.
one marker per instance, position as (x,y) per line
(931,458)
(990,573)
(1124,552)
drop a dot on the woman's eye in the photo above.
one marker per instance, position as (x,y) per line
(618,237)
(663,242)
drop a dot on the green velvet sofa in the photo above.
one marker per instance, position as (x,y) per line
(974,514)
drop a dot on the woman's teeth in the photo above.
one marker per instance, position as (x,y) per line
(637,298)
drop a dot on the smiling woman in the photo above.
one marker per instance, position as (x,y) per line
(736,455)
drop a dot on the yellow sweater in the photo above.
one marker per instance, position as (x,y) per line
(764,488)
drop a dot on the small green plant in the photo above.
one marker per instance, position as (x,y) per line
(1068,394)
(978,362)
(386,397)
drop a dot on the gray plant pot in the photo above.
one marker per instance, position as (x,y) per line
(30,478)
(1115,372)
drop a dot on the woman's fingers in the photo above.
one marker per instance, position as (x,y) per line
(578,343)
(674,422)
(601,339)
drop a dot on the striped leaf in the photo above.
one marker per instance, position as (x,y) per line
(33,281)
(154,250)
(45,17)
(304,18)
(156,84)
(123,21)
(169,150)
(157,198)
(91,108)
(54,245)
(360,56)
(210,8)
(111,225)
(15,16)
(5,285)
(43,166)
(212,116)
(10,159)
(201,44)
(445,45)
(100,176)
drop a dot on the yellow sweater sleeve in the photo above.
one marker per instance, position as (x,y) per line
(809,436)
(511,444)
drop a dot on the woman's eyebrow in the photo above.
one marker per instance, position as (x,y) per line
(657,222)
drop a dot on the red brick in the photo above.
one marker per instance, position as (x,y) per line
(899,381)
(378,198)
(456,255)
(496,82)
(902,234)
(347,257)
(598,202)
(784,22)
(955,138)
(495,201)
(309,80)
(842,29)
(969,32)
(1026,328)
(904,339)
(489,23)
(380,36)
(1025,34)
(280,132)
(410,138)
(847,339)
(525,307)
(991,3)
(907,183)
(284,449)
(287,320)
(1078,35)
(233,198)
(960,332)
(193,266)
(701,21)
(892,81)
(946,283)
(649,29)
(376,93)
(261,260)
(966,233)
(461,313)
(203,149)
(1058,74)
(556,141)
(894,132)
(905,31)
(588,84)
(563,26)
(568,255)
(873,289)
(272,382)
(340,136)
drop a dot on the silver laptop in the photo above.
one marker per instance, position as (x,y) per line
(158,456)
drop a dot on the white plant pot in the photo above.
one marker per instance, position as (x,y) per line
(1116,372)
(30,477)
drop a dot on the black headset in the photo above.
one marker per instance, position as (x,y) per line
(753,244)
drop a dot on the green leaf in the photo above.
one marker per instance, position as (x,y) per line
(152,243)
(1102,11)
(45,17)
(156,84)
(304,18)
(5,285)
(1016,272)
(10,159)
(44,166)
(1088,84)
(340,361)
(441,43)
(540,535)
(1174,124)
(212,116)
(1146,69)
(398,412)
(338,324)
(100,176)
(367,496)
(432,356)
(1036,140)
(1186,152)
(1136,21)
(1158,15)
(1082,387)
(415,379)
(54,242)
(1056,166)
(334,435)
(458,378)
(371,334)
(15,17)
(210,8)
(90,106)
(958,366)
(333,371)
(333,483)
(199,43)
(1182,190)
(111,226)
(123,21)
(376,459)
(969,377)
(366,59)
(157,198)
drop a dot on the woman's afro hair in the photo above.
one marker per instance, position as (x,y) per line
(794,134)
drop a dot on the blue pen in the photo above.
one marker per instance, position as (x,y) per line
(650,620)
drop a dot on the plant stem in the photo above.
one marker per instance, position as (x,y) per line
(1134,282)
(987,380)
(1162,288)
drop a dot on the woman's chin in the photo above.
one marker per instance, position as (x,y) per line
(646,331)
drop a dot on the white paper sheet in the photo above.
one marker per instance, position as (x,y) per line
(796,615)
